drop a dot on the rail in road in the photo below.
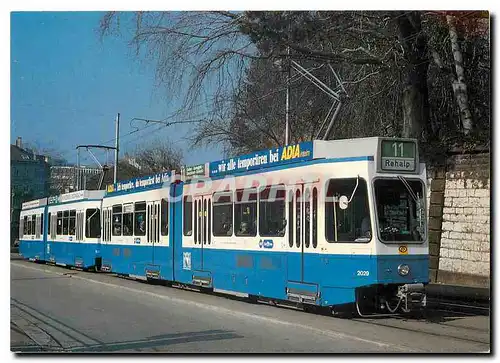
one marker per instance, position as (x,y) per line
(53,331)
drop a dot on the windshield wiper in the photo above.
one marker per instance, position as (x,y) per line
(416,199)
(410,190)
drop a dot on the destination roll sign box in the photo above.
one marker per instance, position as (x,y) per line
(398,155)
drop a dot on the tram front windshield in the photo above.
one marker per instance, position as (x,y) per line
(400,209)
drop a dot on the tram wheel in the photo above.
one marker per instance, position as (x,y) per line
(312,309)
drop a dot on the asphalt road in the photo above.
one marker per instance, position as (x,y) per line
(57,309)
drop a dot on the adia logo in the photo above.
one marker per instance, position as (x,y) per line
(267,243)
(293,152)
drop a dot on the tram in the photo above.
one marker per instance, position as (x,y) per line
(320,224)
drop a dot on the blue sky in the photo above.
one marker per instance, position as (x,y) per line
(67,87)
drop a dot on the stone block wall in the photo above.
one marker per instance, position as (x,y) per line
(459,220)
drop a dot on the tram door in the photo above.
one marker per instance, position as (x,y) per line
(302,229)
(202,229)
(153,226)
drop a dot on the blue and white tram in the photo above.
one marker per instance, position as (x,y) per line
(74,232)
(32,229)
(320,223)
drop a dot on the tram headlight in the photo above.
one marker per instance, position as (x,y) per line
(403,270)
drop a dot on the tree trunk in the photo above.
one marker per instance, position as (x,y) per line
(459,86)
(415,96)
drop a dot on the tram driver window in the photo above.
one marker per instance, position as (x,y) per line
(401,215)
(351,222)
(223,214)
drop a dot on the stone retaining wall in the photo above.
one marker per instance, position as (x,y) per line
(459,220)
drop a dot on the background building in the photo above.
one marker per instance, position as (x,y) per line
(29,179)
(68,178)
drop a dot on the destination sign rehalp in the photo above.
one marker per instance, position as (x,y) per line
(398,155)
(398,164)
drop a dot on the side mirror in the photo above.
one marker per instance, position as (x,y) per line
(343,202)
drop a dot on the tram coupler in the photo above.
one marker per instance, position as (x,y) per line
(413,296)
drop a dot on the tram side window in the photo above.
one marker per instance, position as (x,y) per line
(298,212)
(351,224)
(307,218)
(29,226)
(188,216)
(140,219)
(41,224)
(315,218)
(72,222)
(65,222)
(128,219)
(164,217)
(272,218)
(59,229)
(49,222)
(21,228)
(223,214)
(93,223)
(25,225)
(290,219)
(245,213)
(117,220)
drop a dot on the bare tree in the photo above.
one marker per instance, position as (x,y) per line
(460,76)
(147,159)
(203,50)
(157,156)
(228,58)
(459,85)
(214,48)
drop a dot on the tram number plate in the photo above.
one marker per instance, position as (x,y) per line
(362,273)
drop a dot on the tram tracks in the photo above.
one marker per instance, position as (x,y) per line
(48,333)
(467,334)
